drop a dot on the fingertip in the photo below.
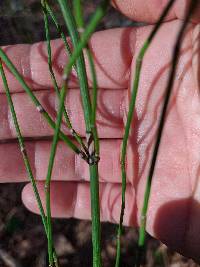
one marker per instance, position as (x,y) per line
(63,198)
(28,200)
(73,200)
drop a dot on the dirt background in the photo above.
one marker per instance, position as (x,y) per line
(22,239)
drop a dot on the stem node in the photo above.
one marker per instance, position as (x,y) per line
(40,109)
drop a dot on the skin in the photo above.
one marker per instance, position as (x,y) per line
(174,210)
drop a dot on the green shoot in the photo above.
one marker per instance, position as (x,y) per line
(23,151)
(130,117)
(38,105)
(69,125)
(78,13)
(175,56)
(93,166)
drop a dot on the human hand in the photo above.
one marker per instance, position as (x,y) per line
(174,205)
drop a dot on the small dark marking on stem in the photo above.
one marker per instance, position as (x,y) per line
(93,158)
(83,156)
(23,150)
(72,132)
(40,109)
(90,142)
(46,188)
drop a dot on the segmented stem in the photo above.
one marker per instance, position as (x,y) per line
(78,13)
(24,152)
(138,68)
(55,84)
(77,56)
(36,102)
(176,52)
(59,30)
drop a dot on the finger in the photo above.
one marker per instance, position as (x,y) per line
(151,78)
(67,165)
(111,61)
(73,200)
(152,86)
(150,10)
(171,225)
(110,110)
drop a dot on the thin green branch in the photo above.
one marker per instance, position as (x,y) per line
(81,71)
(78,56)
(169,88)
(78,13)
(38,105)
(92,146)
(50,169)
(59,30)
(139,61)
(55,84)
(24,152)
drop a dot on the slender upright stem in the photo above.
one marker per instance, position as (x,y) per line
(21,143)
(78,57)
(129,120)
(169,88)
(78,13)
(24,152)
(81,71)
(53,78)
(59,30)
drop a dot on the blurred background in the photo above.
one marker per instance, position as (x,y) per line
(22,239)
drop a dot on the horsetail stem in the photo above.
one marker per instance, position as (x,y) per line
(93,164)
(168,92)
(58,27)
(21,143)
(24,152)
(78,13)
(55,84)
(139,61)
(38,105)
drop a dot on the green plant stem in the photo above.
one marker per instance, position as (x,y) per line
(55,84)
(50,168)
(94,188)
(78,11)
(169,88)
(62,35)
(38,105)
(71,25)
(59,30)
(23,151)
(139,61)
(78,55)
(21,143)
